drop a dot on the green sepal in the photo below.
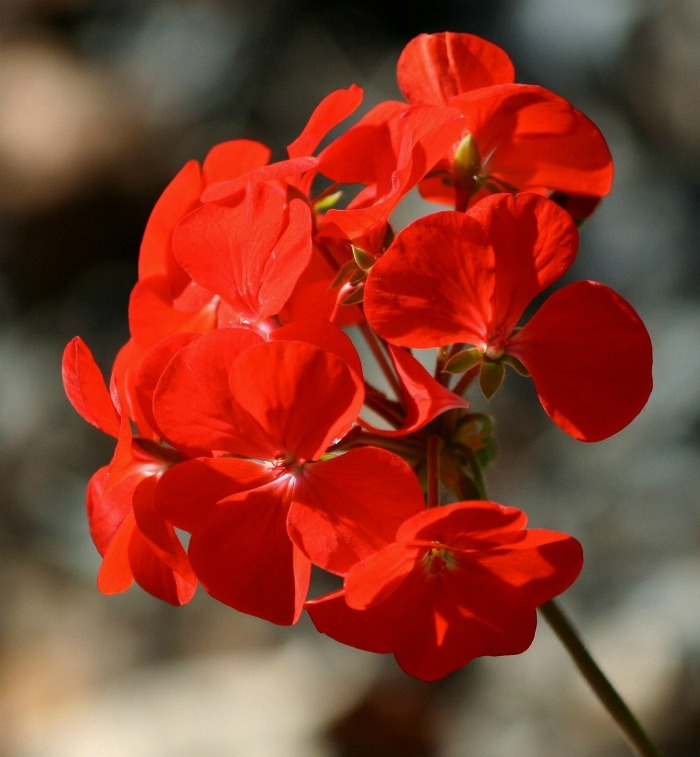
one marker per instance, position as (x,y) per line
(514,363)
(357,277)
(354,297)
(491,377)
(464,360)
(344,272)
(328,201)
(364,259)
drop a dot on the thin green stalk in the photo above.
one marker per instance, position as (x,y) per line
(477,475)
(608,696)
(410,451)
(377,346)
(465,381)
(382,405)
(433,459)
(604,690)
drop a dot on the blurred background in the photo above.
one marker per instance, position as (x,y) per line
(101,102)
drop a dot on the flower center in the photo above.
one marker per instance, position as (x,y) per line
(496,346)
(495,351)
(437,559)
(285,463)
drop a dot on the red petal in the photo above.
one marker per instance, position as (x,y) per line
(155,576)
(371,630)
(456,617)
(399,151)
(440,621)
(287,261)
(432,287)
(328,337)
(153,316)
(499,115)
(160,535)
(115,574)
(364,151)
(348,507)
(423,397)
(131,556)
(226,161)
(237,157)
(85,387)
(178,199)
(573,158)
(302,396)
(151,369)
(543,563)
(193,405)
(590,357)
(105,513)
(333,109)
(435,67)
(313,296)
(244,558)
(187,491)
(375,579)
(534,242)
(282,169)
(460,523)
(531,139)
(253,265)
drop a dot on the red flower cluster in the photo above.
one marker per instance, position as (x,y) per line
(240,407)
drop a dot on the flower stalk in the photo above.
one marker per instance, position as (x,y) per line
(598,681)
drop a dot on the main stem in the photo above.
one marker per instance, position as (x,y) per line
(597,680)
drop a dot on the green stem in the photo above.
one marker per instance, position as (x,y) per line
(465,381)
(433,459)
(411,452)
(597,680)
(382,405)
(477,475)
(376,346)
(443,356)
(608,696)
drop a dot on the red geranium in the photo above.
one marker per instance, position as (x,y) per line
(135,542)
(455,278)
(515,137)
(268,499)
(457,582)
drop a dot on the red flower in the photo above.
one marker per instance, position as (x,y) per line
(251,265)
(452,278)
(134,540)
(257,523)
(515,136)
(458,582)
(165,299)
(389,151)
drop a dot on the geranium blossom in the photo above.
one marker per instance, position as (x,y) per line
(452,278)
(257,523)
(458,582)
(515,136)
(134,541)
